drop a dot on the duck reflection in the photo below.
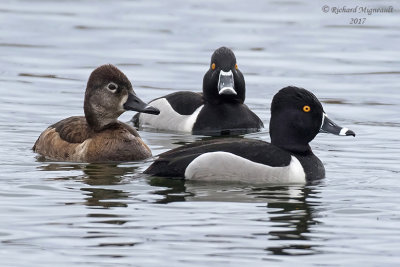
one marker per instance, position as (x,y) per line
(98,177)
(103,175)
(174,190)
(290,209)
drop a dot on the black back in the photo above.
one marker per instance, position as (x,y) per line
(185,103)
(226,118)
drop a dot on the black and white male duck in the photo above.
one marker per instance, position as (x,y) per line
(220,109)
(296,118)
(98,136)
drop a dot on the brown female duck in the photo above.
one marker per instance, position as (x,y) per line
(98,136)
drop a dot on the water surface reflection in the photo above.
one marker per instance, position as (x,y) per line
(97,180)
(290,209)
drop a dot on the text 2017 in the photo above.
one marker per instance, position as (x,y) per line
(358,21)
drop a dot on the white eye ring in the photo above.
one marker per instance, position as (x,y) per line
(112,87)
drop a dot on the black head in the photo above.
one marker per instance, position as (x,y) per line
(224,82)
(109,93)
(297,117)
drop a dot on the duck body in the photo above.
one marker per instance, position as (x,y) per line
(239,160)
(72,139)
(219,109)
(98,136)
(190,112)
(296,118)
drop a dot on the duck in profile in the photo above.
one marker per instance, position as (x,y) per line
(98,136)
(296,118)
(220,109)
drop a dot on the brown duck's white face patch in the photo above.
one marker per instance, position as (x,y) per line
(122,102)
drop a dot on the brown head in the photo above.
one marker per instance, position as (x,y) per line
(109,93)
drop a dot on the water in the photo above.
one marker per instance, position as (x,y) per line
(66,214)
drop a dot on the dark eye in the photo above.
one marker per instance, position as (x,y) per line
(112,87)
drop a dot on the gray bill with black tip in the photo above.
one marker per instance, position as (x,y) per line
(136,104)
(328,126)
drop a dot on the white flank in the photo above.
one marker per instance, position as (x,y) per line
(168,119)
(224,166)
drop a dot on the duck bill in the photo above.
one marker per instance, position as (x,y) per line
(328,126)
(226,83)
(136,104)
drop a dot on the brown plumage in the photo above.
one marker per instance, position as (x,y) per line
(99,136)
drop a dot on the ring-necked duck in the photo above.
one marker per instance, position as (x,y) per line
(296,118)
(220,109)
(98,136)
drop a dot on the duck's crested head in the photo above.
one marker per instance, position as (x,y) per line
(297,116)
(296,97)
(224,82)
(224,58)
(109,93)
(105,74)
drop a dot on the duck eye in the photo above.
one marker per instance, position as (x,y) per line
(236,67)
(112,87)
(306,108)
(213,66)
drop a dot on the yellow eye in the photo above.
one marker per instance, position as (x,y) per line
(236,66)
(213,66)
(306,109)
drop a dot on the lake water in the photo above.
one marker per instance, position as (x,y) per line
(66,214)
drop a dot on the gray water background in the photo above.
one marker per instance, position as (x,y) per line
(66,214)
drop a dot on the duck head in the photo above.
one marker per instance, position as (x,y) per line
(297,117)
(224,82)
(109,93)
